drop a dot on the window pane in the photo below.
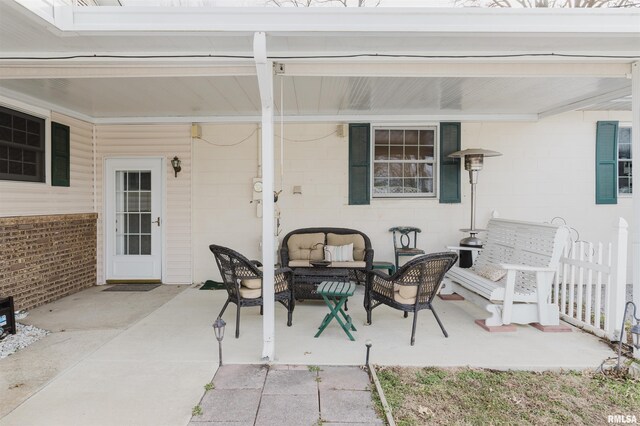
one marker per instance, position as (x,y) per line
(134,244)
(33,140)
(395,169)
(624,151)
(624,168)
(15,168)
(33,127)
(411,137)
(4,153)
(395,186)
(396,153)
(427,137)
(382,152)
(410,152)
(19,123)
(5,134)
(380,186)
(145,201)
(624,135)
(396,137)
(133,181)
(134,224)
(145,223)
(410,186)
(145,181)
(381,169)
(382,137)
(624,185)
(426,170)
(15,154)
(426,153)
(145,244)
(5,119)
(29,156)
(425,186)
(4,166)
(133,202)
(19,137)
(410,170)
(29,169)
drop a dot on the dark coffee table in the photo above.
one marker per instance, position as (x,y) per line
(307,280)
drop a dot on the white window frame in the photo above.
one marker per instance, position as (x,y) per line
(621,125)
(435,127)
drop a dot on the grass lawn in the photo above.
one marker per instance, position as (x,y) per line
(434,396)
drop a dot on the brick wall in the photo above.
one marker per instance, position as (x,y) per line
(44,258)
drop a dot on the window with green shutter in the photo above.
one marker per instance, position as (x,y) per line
(449,167)
(359,167)
(60,155)
(607,162)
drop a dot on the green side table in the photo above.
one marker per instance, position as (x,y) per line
(335,295)
(390,267)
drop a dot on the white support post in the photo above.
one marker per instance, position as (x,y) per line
(635,154)
(618,289)
(264,69)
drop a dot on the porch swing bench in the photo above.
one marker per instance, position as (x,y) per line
(512,276)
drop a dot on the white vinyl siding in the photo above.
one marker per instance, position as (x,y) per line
(37,198)
(126,141)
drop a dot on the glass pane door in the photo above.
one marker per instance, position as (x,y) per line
(133,212)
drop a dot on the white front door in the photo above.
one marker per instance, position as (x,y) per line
(133,219)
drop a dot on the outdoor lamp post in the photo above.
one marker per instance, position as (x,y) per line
(635,331)
(473,163)
(218,328)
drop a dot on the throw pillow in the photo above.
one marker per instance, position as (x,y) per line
(339,253)
(491,272)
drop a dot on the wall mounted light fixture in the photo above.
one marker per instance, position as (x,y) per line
(176,164)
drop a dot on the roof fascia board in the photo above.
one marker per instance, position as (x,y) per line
(39,71)
(354,20)
(323,119)
(412,69)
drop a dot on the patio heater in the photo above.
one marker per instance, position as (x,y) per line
(473,163)
(635,331)
(218,328)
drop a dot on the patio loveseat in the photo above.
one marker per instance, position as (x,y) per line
(304,250)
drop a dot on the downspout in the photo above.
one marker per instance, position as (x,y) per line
(635,181)
(264,72)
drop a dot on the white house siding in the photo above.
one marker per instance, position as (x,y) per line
(547,170)
(29,198)
(164,141)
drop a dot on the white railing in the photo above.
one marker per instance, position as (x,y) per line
(590,285)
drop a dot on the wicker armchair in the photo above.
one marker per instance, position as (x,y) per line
(243,282)
(411,289)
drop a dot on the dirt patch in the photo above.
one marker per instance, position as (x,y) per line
(420,396)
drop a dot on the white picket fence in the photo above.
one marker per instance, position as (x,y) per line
(590,284)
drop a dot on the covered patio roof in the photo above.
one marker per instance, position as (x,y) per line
(154,64)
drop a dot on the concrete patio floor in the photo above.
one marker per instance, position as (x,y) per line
(143,358)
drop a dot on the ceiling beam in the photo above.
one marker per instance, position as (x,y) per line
(404,67)
(585,102)
(42,71)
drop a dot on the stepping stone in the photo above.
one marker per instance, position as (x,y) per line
(344,406)
(229,405)
(288,410)
(291,382)
(240,377)
(343,378)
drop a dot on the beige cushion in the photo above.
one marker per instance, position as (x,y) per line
(491,272)
(405,301)
(341,240)
(252,283)
(348,264)
(299,264)
(339,253)
(408,291)
(250,293)
(306,246)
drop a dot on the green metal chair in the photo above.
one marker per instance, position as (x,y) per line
(405,240)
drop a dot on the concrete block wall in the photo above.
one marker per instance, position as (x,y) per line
(44,258)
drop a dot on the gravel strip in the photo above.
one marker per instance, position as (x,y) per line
(26,335)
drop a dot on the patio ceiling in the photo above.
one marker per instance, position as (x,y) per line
(108,89)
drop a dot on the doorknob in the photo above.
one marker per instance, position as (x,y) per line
(157,221)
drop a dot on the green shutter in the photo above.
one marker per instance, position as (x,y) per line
(359,163)
(449,167)
(607,162)
(60,155)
